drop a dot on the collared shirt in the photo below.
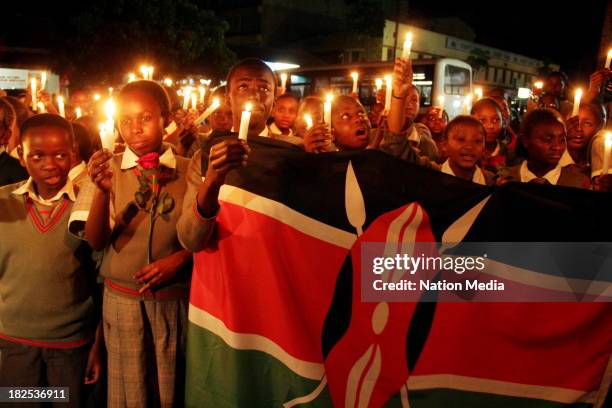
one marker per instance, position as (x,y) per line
(77,170)
(264,133)
(477,178)
(414,136)
(28,188)
(129,159)
(552,176)
(566,159)
(275,130)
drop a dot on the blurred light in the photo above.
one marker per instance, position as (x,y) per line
(281,66)
(524,93)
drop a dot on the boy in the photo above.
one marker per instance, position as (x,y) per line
(10,169)
(46,307)
(284,115)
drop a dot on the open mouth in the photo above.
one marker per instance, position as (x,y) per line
(361,133)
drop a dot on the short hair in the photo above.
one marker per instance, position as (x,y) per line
(288,96)
(7,115)
(537,117)
(308,102)
(559,74)
(21,110)
(345,98)
(173,98)
(151,88)
(596,109)
(250,63)
(487,101)
(45,120)
(83,141)
(463,120)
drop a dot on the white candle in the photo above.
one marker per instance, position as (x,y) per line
(389,82)
(186,96)
(202,92)
(107,140)
(60,106)
(308,120)
(441,104)
(467,104)
(379,83)
(478,92)
(131,77)
(244,122)
(407,46)
(607,150)
(355,77)
(78,112)
(609,58)
(327,107)
(41,107)
(194,101)
(43,80)
(150,73)
(577,97)
(33,91)
(109,110)
(283,77)
(213,106)
(168,82)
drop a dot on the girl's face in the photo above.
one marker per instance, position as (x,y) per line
(140,122)
(351,127)
(588,125)
(434,122)
(546,143)
(465,146)
(491,119)
(411,109)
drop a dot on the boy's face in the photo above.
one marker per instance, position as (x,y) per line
(465,146)
(546,143)
(351,127)
(375,112)
(255,85)
(221,118)
(140,122)
(285,112)
(491,119)
(434,122)
(554,86)
(46,153)
(412,105)
(588,125)
(312,108)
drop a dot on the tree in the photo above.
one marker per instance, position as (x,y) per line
(478,59)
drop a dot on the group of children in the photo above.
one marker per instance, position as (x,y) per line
(136,215)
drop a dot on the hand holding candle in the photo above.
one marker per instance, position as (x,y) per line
(608,59)
(327,105)
(577,97)
(308,121)
(607,150)
(213,106)
(389,84)
(244,122)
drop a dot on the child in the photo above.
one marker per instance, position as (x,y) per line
(436,125)
(284,114)
(350,124)
(84,148)
(376,110)
(543,136)
(312,106)
(221,119)
(464,140)
(580,131)
(555,85)
(499,149)
(136,204)
(21,114)
(47,274)
(10,169)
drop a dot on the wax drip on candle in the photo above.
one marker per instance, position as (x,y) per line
(244,122)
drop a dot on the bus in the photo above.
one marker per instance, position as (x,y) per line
(434,78)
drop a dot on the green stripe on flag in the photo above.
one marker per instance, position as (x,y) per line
(220,376)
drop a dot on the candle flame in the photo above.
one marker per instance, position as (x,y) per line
(283,76)
(96,97)
(78,112)
(539,85)
(248,106)
(379,83)
(478,92)
(216,102)
(610,53)
(60,99)
(578,93)
(168,82)
(409,37)
(308,120)
(608,138)
(41,107)
(355,75)
(131,77)
(329,97)
(109,108)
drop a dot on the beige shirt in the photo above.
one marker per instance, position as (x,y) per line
(77,170)
(552,176)
(28,188)
(477,178)
(275,130)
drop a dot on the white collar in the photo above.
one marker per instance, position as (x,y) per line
(276,130)
(28,188)
(552,176)
(414,136)
(166,159)
(264,132)
(77,170)
(566,159)
(477,178)
(496,151)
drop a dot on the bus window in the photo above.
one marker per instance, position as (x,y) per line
(422,78)
(456,80)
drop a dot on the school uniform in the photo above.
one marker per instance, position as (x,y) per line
(483,177)
(558,176)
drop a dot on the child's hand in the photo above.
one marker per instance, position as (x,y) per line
(160,271)
(572,125)
(99,170)
(224,157)
(93,371)
(402,77)
(317,138)
(595,81)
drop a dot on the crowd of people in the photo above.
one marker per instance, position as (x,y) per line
(96,245)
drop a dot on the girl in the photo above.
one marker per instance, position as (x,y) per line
(437,125)
(580,132)
(136,204)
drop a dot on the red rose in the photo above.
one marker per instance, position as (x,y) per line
(149,161)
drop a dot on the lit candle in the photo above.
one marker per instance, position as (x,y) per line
(34,97)
(308,120)
(609,58)
(407,46)
(41,107)
(467,104)
(607,150)
(213,106)
(131,77)
(60,106)
(202,92)
(43,80)
(379,83)
(110,91)
(389,82)
(109,110)
(283,77)
(327,105)
(244,122)
(194,101)
(106,137)
(144,71)
(478,92)
(441,104)
(186,96)
(168,82)
(96,97)
(150,70)
(78,112)
(539,85)
(355,77)
(577,97)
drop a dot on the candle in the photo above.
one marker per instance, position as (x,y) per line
(144,71)
(327,106)
(60,106)
(478,92)
(389,82)
(41,107)
(78,112)
(168,82)
(355,77)
(43,80)
(110,91)
(308,120)
(467,104)
(608,59)
(131,77)
(407,46)
(213,106)
(194,101)
(109,110)
(539,85)
(441,104)
(607,150)
(150,71)
(577,97)
(379,83)
(283,77)
(202,92)
(33,89)
(96,97)
(244,122)
(106,137)
(186,96)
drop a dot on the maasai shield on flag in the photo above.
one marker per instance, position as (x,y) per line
(276,317)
